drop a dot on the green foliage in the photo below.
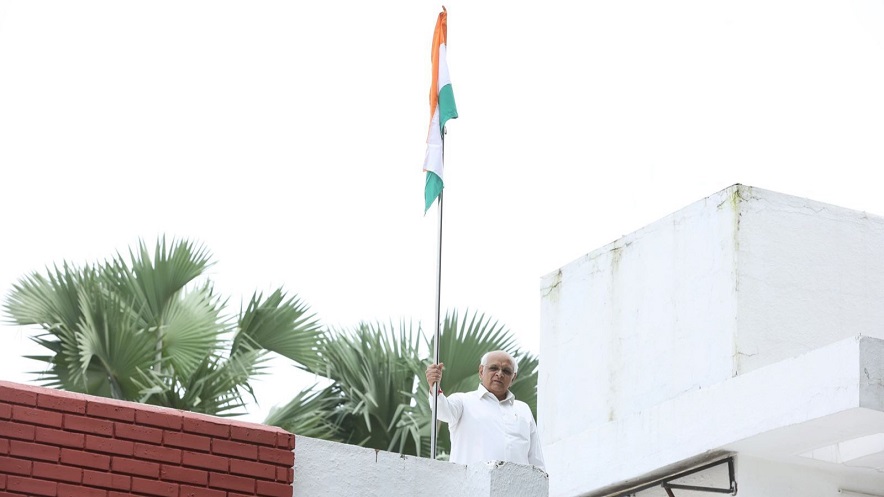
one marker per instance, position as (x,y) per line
(149,328)
(376,394)
(372,370)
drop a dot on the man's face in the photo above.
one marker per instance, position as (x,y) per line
(497,375)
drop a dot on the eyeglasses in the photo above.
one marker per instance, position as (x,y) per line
(496,369)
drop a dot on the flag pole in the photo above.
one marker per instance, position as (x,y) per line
(442,108)
(436,348)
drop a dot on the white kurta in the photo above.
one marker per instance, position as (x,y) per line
(486,429)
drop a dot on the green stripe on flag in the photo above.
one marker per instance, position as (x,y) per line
(447,108)
(432,189)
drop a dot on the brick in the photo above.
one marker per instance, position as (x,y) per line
(12,465)
(5,411)
(110,410)
(18,394)
(184,475)
(66,404)
(235,449)
(36,416)
(256,469)
(155,453)
(285,441)
(4,446)
(285,474)
(205,461)
(109,445)
(153,487)
(187,441)
(58,472)
(106,480)
(119,494)
(135,467)
(33,451)
(85,459)
(2,482)
(188,491)
(276,456)
(88,425)
(192,424)
(253,435)
(230,482)
(65,490)
(60,438)
(272,489)
(163,419)
(139,433)
(17,430)
(31,486)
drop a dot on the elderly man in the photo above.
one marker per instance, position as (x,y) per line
(489,424)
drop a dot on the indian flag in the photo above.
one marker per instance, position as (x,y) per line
(442,109)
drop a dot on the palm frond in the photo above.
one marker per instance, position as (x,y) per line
(59,367)
(191,330)
(215,387)
(149,283)
(375,366)
(50,301)
(310,413)
(463,343)
(283,325)
(524,387)
(108,338)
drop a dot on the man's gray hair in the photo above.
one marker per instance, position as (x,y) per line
(484,361)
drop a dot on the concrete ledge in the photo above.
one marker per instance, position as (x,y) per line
(779,411)
(325,468)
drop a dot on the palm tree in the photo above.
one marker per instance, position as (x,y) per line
(375,396)
(149,328)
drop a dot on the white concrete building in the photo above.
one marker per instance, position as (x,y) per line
(747,325)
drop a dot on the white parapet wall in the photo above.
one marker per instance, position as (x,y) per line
(748,314)
(325,468)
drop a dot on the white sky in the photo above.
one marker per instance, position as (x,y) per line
(288,137)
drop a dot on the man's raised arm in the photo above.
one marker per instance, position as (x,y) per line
(448,410)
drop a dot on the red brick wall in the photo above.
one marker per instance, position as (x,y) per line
(56,443)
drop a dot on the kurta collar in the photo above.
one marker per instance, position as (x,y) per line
(482,391)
